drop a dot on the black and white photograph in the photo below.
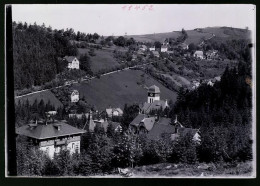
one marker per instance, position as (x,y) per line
(131,90)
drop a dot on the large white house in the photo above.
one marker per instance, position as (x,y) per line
(199,54)
(52,137)
(73,62)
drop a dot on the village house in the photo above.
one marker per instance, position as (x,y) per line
(195,84)
(152,48)
(164,48)
(134,57)
(183,46)
(142,124)
(198,54)
(211,54)
(143,48)
(157,127)
(156,53)
(74,97)
(153,101)
(103,124)
(111,112)
(78,116)
(51,113)
(52,137)
(73,62)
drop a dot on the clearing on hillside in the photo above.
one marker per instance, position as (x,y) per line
(119,88)
(103,60)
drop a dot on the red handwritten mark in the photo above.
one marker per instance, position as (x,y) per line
(151,7)
(129,8)
(144,7)
(137,7)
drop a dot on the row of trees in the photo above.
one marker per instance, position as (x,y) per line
(102,154)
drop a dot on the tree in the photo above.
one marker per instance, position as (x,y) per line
(129,114)
(92,52)
(157,44)
(85,64)
(95,36)
(120,41)
(192,47)
(127,151)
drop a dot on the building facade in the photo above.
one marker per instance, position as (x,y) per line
(53,137)
(73,62)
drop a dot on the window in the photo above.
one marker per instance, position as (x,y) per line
(72,145)
(77,147)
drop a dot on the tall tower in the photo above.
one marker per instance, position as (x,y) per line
(153,94)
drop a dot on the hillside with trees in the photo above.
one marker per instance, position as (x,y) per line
(36,52)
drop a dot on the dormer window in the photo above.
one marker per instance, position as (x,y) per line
(57,126)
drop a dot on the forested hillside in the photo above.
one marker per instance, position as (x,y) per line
(36,51)
(223,113)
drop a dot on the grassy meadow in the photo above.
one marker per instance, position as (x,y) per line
(119,88)
(104,59)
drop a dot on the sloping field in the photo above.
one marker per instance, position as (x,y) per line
(45,96)
(196,37)
(119,88)
(104,59)
(154,37)
(227,32)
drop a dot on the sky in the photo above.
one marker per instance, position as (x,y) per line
(135,19)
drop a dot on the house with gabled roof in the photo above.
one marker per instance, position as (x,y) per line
(52,136)
(73,62)
(164,48)
(174,131)
(199,54)
(153,101)
(142,123)
(156,53)
(111,112)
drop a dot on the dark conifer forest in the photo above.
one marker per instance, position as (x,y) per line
(36,52)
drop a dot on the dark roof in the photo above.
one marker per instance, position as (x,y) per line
(184,131)
(103,125)
(148,123)
(69,58)
(42,131)
(159,129)
(154,89)
(138,119)
(156,105)
(114,125)
(164,121)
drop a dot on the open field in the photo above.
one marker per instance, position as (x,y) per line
(222,33)
(154,37)
(119,88)
(45,96)
(103,59)
(196,37)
